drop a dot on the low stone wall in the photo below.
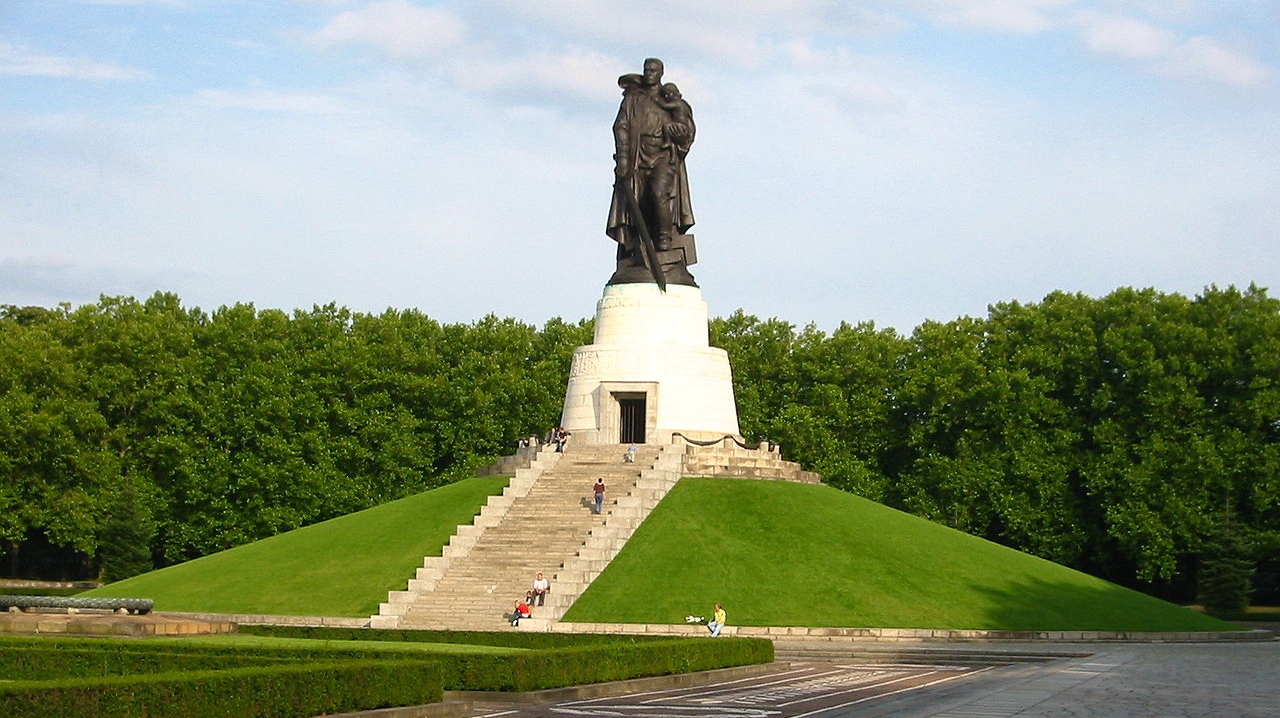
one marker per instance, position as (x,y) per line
(271,620)
(186,622)
(112,625)
(908,635)
(31,583)
(508,465)
(729,460)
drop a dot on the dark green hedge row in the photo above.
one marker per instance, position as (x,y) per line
(293,691)
(555,659)
(659,658)
(538,670)
(328,678)
(31,663)
(48,657)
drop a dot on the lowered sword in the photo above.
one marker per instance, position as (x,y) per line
(623,188)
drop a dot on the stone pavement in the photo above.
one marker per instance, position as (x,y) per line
(1133,680)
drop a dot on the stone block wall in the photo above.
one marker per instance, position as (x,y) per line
(730,460)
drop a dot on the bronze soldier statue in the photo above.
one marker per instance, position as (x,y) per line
(651,212)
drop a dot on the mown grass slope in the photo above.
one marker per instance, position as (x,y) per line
(779,554)
(774,553)
(340,567)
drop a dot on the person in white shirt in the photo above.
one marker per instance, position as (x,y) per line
(540,587)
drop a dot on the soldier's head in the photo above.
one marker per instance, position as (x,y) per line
(652,71)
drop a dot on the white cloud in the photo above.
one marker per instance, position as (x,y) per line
(1124,37)
(398,28)
(1109,34)
(17,60)
(746,35)
(659,20)
(260,100)
(1200,56)
(573,72)
(1205,57)
(1023,17)
(837,73)
(137,3)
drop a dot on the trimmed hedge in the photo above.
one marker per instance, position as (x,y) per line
(504,639)
(46,657)
(539,670)
(599,664)
(553,660)
(114,678)
(35,663)
(290,691)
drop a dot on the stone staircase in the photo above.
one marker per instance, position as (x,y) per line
(658,469)
(541,522)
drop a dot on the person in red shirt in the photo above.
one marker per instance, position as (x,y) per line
(521,611)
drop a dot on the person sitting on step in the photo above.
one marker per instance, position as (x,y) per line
(540,587)
(521,611)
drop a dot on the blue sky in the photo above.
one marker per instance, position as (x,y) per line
(889,161)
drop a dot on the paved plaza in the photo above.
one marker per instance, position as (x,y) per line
(1137,680)
(1133,680)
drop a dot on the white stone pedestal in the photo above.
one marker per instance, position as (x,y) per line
(650,362)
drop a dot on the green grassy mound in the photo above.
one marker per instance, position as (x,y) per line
(341,567)
(779,554)
(774,553)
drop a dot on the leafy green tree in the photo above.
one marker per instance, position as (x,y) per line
(125,541)
(1040,360)
(53,441)
(1099,433)
(941,396)
(841,420)
(760,354)
(1226,569)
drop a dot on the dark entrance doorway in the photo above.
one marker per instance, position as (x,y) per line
(633,414)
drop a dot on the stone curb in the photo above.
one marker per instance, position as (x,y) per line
(800,633)
(916,635)
(252,619)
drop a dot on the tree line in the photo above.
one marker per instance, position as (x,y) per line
(1133,436)
(192,432)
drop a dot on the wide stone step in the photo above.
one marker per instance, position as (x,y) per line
(547,536)
(542,523)
(496,558)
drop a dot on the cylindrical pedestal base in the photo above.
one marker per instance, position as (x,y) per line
(650,371)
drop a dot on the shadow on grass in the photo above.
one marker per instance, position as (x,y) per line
(1034,604)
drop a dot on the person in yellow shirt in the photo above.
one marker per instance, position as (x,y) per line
(717,621)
